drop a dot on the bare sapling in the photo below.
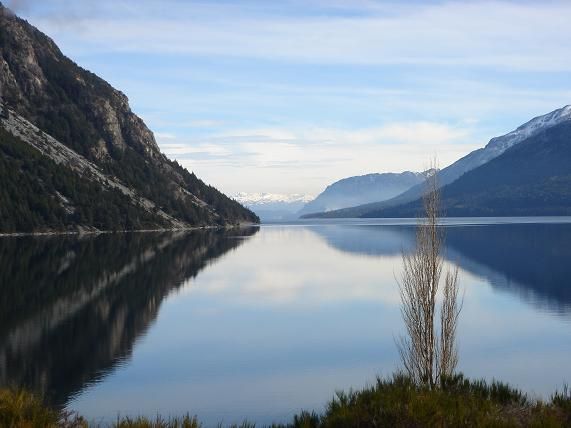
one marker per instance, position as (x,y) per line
(428,350)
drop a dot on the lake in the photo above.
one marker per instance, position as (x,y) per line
(259,323)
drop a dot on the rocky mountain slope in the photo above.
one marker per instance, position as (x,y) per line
(363,189)
(85,132)
(472,162)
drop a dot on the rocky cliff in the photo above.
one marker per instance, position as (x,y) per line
(82,112)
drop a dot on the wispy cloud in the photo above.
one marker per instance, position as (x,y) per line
(310,158)
(205,123)
(289,96)
(19,6)
(507,35)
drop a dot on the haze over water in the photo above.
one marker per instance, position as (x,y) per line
(260,323)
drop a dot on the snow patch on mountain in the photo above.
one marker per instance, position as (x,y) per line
(529,129)
(274,206)
(497,146)
(271,198)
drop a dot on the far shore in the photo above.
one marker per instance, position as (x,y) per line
(389,221)
(102,232)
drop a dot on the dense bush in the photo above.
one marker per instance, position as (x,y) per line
(394,402)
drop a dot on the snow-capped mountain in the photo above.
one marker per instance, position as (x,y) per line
(531,178)
(274,206)
(499,145)
(495,147)
(271,198)
(529,129)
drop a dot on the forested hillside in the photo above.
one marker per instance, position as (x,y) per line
(87,115)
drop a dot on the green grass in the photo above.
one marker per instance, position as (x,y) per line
(158,422)
(391,402)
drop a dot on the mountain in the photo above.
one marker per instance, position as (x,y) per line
(273,206)
(74,156)
(532,178)
(473,161)
(363,189)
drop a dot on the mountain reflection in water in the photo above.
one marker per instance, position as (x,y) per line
(72,308)
(530,260)
(277,324)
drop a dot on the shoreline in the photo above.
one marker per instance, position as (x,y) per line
(447,221)
(391,401)
(102,232)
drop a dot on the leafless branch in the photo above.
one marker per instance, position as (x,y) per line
(428,352)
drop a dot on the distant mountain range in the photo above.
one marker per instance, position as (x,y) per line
(525,172)
(274,206)
(73,156)
(347,192)
(363,189)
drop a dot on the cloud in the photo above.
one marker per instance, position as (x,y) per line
(205,123)
(287,97)
(65,16)
(313,157)
(273,282)
(499,34)
(164,136)
(392,133)
(19,6)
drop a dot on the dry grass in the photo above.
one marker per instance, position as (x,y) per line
(20,409)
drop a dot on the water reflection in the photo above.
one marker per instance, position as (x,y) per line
(71,308)
(370,240)
(278,325)
(531,260)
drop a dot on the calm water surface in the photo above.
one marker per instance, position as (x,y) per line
(263,322)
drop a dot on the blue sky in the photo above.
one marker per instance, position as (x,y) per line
(288,96)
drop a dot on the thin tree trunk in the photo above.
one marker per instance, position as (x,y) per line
(428,355)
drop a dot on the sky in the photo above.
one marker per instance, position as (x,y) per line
(290,96)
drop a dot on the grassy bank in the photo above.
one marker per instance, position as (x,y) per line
(394,402)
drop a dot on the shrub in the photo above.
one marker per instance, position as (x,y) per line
(22,409)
